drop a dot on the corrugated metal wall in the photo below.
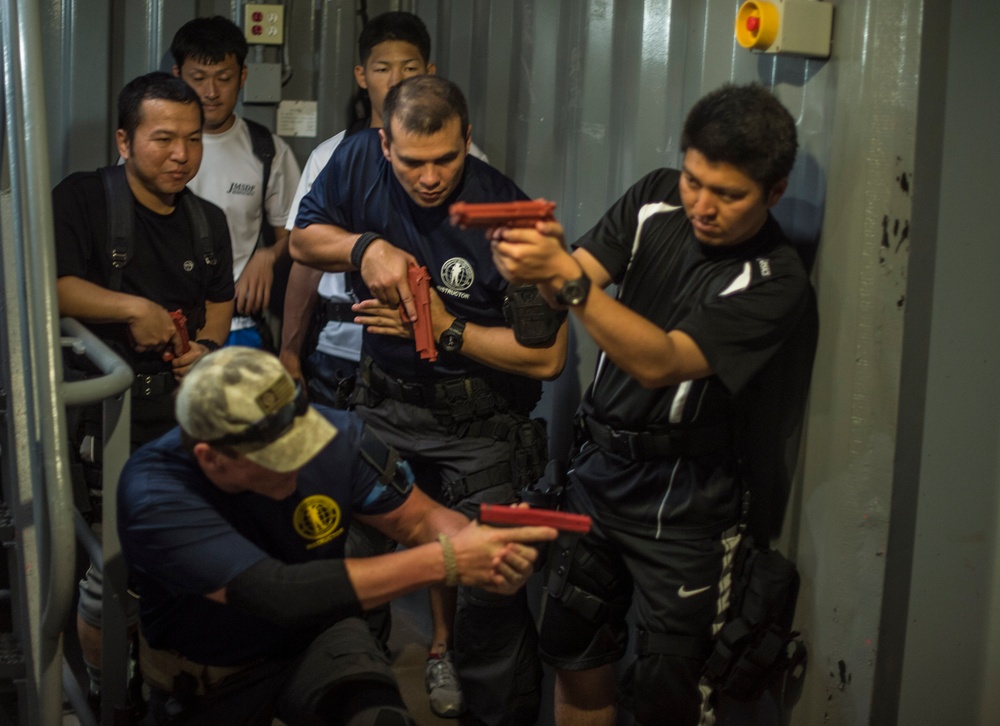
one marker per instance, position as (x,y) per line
(575,99)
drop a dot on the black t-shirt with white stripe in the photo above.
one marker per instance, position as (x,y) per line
(738,303)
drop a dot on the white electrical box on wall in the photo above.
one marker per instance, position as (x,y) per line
(795,27)
(264,24)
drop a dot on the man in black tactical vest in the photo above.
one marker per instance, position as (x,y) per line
(132,246)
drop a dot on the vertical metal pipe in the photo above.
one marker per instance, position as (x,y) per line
(154,29)
(39,321)
(25,505)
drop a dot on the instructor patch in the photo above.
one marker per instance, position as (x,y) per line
(457,274)
(317,518)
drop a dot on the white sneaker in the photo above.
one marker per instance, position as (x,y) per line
(443,689)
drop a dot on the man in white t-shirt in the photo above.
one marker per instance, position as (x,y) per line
(209,55)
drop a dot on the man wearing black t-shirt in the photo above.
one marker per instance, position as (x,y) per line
(709,295)
(167,267)
(159,138)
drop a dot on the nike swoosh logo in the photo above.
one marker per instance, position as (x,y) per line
(684,592)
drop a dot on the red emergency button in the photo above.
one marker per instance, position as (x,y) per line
(256,30)
(257,16)
(757,24)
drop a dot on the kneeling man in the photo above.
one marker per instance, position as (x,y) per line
(233,527)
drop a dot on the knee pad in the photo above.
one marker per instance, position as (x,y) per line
(342,673)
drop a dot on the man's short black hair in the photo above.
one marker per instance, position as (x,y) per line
(208,40)
(745,126)
(150,87)
(397,25)
(423,105)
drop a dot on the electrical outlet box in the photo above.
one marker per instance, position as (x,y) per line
(263,83)
(794,27)
(264,24)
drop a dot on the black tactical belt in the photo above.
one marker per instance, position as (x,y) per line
(461,398)
(646,445)
(149,385)
(336,311)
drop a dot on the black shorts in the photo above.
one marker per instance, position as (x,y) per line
(675,587)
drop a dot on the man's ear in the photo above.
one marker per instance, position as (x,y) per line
(432,69)
(243,76)
(777,191)
(177,71)
(468,139)
(359,77)
(121,140)
(206,455)
(385,144)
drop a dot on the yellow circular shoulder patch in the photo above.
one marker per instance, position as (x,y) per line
(317,518)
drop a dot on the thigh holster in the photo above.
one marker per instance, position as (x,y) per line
(528,446)
(578,595)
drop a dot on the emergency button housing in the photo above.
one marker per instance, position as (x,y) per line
(793,27)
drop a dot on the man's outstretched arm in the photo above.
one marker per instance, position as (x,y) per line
(486,557)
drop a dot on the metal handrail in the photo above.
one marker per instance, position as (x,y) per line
(113,389)
(117,375)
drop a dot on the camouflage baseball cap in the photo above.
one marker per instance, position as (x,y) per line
(243,399)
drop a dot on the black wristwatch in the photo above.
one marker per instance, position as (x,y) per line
(208,343)
(574,292)
(451,339)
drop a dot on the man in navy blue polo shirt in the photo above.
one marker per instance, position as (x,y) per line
(233,528)
(380,205)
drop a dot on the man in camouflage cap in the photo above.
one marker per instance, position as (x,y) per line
(233,526)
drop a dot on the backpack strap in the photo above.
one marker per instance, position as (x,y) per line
(262,144)
(192,206)
(121,230)
(120,212)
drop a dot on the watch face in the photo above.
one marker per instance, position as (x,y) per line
(574,292)
(451,339)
